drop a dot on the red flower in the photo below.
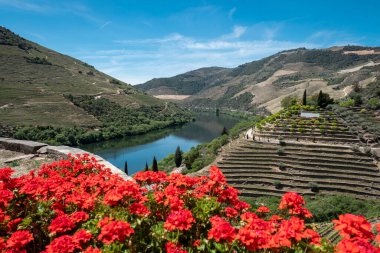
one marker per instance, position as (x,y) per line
(262,209)
(249,217)
(5,196)
(173,248)
(149,177)
(221,230)
(19,239)
(104,221)
(216,175)
(378,233)
(115,231)
(352,226)
(355,246)
(139,209)
(230,212)
(79,216)
(61,224)
(2,244)
(181,220)
(92,250)
(62,244)
(294,203)
(82,236)
(12,225)
(197,243)
(5,174)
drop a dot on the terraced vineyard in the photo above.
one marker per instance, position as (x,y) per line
(319,162)
(363,121)
(288,124)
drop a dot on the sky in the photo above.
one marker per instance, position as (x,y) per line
(137,40)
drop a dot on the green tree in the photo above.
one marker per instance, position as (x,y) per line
(324,99)
(155,166)
(126,167)
(288,101)
(224,131)
(358,101)
(178,157)
(304,101)
(146,166)
(217,112)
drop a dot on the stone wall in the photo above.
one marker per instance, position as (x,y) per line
(59,152)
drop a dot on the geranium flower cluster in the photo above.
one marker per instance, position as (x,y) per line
(357,234)
(77,205)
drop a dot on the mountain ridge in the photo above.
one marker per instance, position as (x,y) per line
(265,82)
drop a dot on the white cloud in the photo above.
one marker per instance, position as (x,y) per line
(27,6)
(237,32)
(332,37)
(231,13)
(105,24)
(137,61)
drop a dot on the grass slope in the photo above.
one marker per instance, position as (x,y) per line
(36,82)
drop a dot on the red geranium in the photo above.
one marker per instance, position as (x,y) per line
(352,226)
(262,209)
(221,230)
(19,239)
(181,220)
(61,224)
(115,231)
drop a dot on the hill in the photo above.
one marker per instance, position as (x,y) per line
(61,95)
(291,152)
(264,83)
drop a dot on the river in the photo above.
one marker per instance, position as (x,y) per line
(137,150)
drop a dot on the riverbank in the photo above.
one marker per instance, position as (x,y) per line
(201,156)
(139,150)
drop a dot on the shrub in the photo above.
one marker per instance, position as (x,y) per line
(367,150)
(347,103)
(355,148)
(277,184)
(314,187)
(115,215)
(373,103)
(282,166)
(38,60)
(301,130)
(280,151)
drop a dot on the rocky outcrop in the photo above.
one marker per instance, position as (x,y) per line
(59,152)
(27,147)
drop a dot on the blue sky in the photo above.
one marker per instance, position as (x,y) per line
(136,40)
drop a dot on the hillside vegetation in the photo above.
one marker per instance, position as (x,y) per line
(55,98)
(288,152)
(264,83)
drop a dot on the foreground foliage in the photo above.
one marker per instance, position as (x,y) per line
(76,205)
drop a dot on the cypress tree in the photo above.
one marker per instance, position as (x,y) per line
(217,112)
(224,131)
(178,157)
(155,166)
(146,166)
(304,98)
(319,99)
(126,167)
